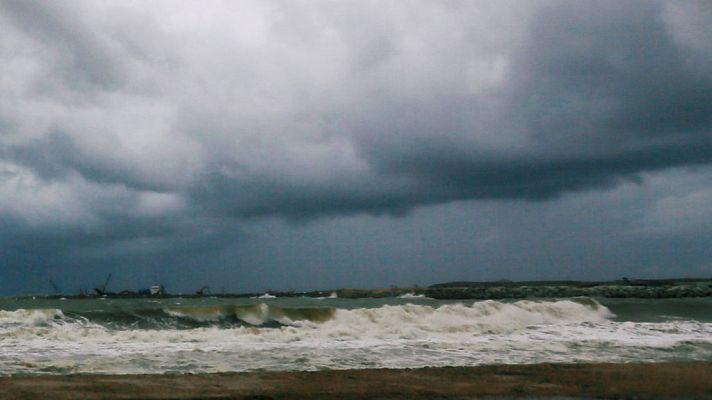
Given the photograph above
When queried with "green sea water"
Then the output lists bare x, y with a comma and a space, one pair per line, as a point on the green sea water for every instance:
211, 334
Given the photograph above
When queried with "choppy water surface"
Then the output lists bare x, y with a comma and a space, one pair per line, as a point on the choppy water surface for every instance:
217, 335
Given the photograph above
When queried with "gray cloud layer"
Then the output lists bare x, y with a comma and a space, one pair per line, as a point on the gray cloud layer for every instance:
147, 128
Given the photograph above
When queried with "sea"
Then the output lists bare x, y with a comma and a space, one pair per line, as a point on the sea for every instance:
202, 335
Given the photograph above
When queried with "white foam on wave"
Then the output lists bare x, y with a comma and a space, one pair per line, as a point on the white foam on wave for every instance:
34, 317
395, 336
411, 296
406, 321
256, 316
358, 328
333, 295
201, 314
411, 321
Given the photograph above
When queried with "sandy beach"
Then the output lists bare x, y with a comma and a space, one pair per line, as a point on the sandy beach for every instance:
659, 380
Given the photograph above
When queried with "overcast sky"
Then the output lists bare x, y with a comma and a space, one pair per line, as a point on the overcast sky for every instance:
324, 144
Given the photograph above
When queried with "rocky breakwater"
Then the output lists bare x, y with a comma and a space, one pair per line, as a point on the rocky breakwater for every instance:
616, 289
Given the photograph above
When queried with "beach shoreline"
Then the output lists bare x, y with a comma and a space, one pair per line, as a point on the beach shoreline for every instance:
635, 380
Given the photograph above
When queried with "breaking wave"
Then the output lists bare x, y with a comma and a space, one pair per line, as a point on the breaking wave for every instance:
24, 318
220, 338
256, 315
405, 321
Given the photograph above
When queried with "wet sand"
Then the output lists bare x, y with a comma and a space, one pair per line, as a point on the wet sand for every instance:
661, 380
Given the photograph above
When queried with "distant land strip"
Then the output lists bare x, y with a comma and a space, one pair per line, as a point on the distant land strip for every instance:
503, 289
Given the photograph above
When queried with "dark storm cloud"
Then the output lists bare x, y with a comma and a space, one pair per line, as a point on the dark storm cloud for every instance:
611, 73
79, 56
138, 127
594, 93
57, 154
598, 92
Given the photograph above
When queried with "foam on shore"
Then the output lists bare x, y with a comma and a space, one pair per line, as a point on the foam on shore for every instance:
224, 338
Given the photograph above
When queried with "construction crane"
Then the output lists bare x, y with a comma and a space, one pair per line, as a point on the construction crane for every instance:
102, 291
55, 287
202, 290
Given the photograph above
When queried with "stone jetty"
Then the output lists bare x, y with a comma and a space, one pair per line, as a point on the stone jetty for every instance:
626, 288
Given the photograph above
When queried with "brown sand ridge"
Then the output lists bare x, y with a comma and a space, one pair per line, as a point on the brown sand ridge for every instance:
661, 380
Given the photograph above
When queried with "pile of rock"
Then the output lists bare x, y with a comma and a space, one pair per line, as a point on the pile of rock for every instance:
697, 289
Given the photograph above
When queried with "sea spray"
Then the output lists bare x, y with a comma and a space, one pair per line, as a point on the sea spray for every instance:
419, 321
201, 336
411, 296
22, 317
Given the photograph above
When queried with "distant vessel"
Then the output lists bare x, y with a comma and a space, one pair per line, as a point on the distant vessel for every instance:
157, 290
